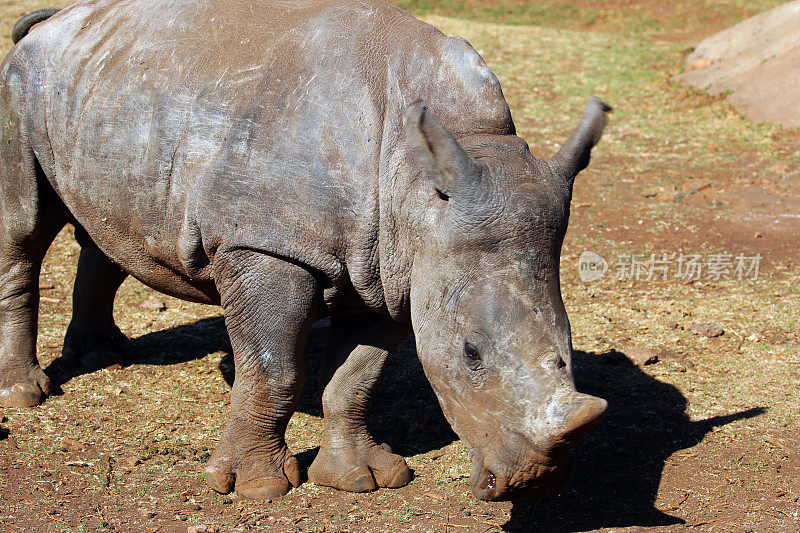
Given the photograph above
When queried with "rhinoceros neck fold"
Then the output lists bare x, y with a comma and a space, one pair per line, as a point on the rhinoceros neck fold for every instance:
459, 89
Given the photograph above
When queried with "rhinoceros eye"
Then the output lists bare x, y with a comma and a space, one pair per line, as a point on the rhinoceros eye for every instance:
471, 352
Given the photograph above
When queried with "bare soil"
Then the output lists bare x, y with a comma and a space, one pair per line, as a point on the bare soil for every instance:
705, 439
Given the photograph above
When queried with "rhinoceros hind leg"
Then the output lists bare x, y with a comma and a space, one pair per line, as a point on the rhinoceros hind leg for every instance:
31, 215
93, 339
269, 306
349, 458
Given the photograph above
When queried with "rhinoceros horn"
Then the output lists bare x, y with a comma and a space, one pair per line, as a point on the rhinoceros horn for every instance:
574, 154
443, 161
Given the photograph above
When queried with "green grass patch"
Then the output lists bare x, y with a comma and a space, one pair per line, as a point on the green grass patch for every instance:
682, 17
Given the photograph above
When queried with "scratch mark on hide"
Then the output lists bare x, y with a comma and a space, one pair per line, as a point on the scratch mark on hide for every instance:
219, 81
169, 184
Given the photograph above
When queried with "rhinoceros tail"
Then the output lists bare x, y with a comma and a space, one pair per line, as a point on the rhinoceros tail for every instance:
24, 25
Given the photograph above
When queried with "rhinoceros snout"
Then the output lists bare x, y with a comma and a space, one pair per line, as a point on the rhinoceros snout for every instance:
520, 469
492, 481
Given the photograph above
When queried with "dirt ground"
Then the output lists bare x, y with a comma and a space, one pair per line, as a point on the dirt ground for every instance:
705, 439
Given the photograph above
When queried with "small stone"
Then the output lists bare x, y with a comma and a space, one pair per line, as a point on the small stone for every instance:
199, 528
153, 304
754, 338
699, 64
696, 185
227, 501
672, 324
70, 445
641, 356
133, 461
147, 513
708, 329
436, 454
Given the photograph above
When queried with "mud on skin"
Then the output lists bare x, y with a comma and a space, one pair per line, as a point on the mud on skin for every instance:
309, 168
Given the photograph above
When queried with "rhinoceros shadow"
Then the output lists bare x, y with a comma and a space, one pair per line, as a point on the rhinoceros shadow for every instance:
619, 464
166, 347
422, 426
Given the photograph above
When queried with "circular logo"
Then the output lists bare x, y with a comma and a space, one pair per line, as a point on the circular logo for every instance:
591, 267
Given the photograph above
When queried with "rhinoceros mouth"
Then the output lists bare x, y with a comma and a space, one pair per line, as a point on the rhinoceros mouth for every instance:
492, 484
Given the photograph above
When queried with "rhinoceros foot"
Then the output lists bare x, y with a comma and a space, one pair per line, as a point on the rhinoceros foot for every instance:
24, 389
359, 468
95, 350
259, 475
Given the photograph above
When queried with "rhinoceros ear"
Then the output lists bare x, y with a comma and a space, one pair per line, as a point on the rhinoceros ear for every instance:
443, 161
574, 154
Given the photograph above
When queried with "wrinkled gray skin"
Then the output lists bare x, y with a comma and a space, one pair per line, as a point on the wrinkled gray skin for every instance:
275, 158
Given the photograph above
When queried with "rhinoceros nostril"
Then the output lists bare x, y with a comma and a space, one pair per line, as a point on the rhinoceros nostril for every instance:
553, 361
491, 482
488, 484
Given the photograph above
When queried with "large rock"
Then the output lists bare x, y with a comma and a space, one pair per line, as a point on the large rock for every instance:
758, 61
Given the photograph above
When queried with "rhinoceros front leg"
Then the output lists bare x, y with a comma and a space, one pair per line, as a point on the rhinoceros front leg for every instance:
93, 339
269, 306
349, 458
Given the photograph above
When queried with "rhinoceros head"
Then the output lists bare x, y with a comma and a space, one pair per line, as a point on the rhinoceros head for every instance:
491, 329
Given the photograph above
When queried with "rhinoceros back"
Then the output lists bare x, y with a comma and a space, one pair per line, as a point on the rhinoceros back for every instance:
170, 129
